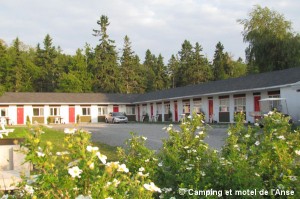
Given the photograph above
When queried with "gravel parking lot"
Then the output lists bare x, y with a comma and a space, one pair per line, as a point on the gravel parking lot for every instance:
117, 134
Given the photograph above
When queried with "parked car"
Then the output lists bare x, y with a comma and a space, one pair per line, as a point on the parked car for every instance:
116, 117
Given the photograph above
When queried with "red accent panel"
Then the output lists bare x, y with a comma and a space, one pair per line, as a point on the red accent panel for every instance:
176, 111
116, 109
71, 114
20, 115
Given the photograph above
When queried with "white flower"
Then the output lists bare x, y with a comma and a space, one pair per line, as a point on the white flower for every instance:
270, 113
247, 135
143, 175
203, 173
123, 168
229, 133
116, 182
170, 125
29, 189
173, 197
91, 149
186, 147
169, 128
257, 174
5, 196
201, 133
69, 130
144, 138
256, 124
92, 166
152, 187
101, 157
147, 160
257, 143
297, 152
189, 117
109, 198
40, 154
142, 169
293, 178
281, 137
197, 136
62, 153
75, 172
160, 164
83, 197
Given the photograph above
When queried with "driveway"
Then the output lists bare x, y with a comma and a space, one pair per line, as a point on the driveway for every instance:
117, 134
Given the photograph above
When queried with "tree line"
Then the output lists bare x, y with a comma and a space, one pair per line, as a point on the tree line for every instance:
45, 68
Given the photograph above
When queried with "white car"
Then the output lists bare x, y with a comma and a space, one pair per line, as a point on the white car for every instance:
116, 117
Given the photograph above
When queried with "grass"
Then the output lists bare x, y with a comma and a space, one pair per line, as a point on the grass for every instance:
57, 137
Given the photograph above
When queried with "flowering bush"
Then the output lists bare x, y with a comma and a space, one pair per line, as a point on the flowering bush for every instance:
80, 171
252, 158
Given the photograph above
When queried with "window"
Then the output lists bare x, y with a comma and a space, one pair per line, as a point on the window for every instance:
86, 111
38, 111
144, 110
130, 110
224, 105
197, 106
276, 104
54, 111
186, 107
3, 112
159, 107
102, 110
240, 104
167, 108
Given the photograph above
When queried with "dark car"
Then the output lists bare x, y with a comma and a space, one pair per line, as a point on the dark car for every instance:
116, 117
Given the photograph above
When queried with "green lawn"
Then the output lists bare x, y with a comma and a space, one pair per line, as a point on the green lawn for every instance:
57, 136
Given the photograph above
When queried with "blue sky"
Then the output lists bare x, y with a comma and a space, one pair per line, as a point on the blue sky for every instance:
158, 25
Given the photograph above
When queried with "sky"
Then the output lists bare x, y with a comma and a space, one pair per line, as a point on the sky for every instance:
158, 25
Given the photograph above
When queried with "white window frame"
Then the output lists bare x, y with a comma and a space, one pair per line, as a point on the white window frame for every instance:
197, 106
224, 105
158, 109
275, 104
240, 104
52, 111
167, 108
3, 110
86, 111
40, 111
186, 107
130, 110
102, 110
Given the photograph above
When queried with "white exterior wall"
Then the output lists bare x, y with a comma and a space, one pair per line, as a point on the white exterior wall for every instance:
172, 110
249, 106
46, 113
12, 114
94, 113
122, 108
231, 108
292, 96
204, 107
180, 109
216, 104
78, 111
64, 113
28, 111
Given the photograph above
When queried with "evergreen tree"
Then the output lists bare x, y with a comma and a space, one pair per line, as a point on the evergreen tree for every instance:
149, 65
172, 68
130, 80
219, 62
105, 70
185, 61
160, 71
3, 66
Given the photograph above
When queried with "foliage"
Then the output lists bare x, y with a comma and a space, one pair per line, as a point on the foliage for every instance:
80, 170
252, 159
272, 43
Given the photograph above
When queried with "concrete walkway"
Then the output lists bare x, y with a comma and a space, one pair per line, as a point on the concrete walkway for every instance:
117, 134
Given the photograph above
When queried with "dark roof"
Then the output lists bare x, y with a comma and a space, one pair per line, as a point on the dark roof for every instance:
249, 82
69, 98
260, 81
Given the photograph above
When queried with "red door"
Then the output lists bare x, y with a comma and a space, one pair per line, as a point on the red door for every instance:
256, 106
176, 111
116, 109
20, 115
71, 114
210, 109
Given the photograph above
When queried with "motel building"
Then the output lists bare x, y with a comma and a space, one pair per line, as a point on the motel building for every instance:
217, 100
